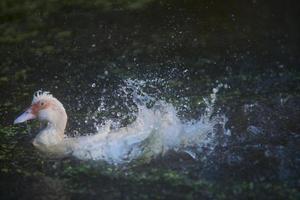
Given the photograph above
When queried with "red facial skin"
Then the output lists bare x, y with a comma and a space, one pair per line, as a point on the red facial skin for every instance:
40, 105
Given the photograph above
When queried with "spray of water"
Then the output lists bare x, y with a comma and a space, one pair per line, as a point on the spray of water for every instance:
156, 128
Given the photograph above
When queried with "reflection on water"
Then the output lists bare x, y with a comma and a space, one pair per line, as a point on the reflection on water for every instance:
181, 50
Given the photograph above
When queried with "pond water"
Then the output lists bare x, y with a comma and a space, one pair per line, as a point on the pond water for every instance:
231, 69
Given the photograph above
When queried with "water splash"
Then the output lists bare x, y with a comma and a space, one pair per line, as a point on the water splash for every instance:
156, 128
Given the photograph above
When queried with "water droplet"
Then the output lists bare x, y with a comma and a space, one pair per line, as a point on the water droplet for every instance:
254, 130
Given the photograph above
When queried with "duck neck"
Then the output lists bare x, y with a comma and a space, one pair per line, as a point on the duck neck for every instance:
52, 134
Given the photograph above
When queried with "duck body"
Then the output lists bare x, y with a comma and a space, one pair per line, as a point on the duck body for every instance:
154, 132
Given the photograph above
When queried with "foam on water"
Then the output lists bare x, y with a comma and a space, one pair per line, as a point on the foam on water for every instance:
155, 130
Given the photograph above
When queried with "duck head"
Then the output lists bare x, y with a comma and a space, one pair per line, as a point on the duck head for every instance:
45, 107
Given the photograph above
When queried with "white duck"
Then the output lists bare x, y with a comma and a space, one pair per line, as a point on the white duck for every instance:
114, 146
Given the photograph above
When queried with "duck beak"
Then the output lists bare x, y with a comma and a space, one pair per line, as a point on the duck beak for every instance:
27, 115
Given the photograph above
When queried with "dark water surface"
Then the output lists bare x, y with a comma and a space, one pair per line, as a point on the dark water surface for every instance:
82, 52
